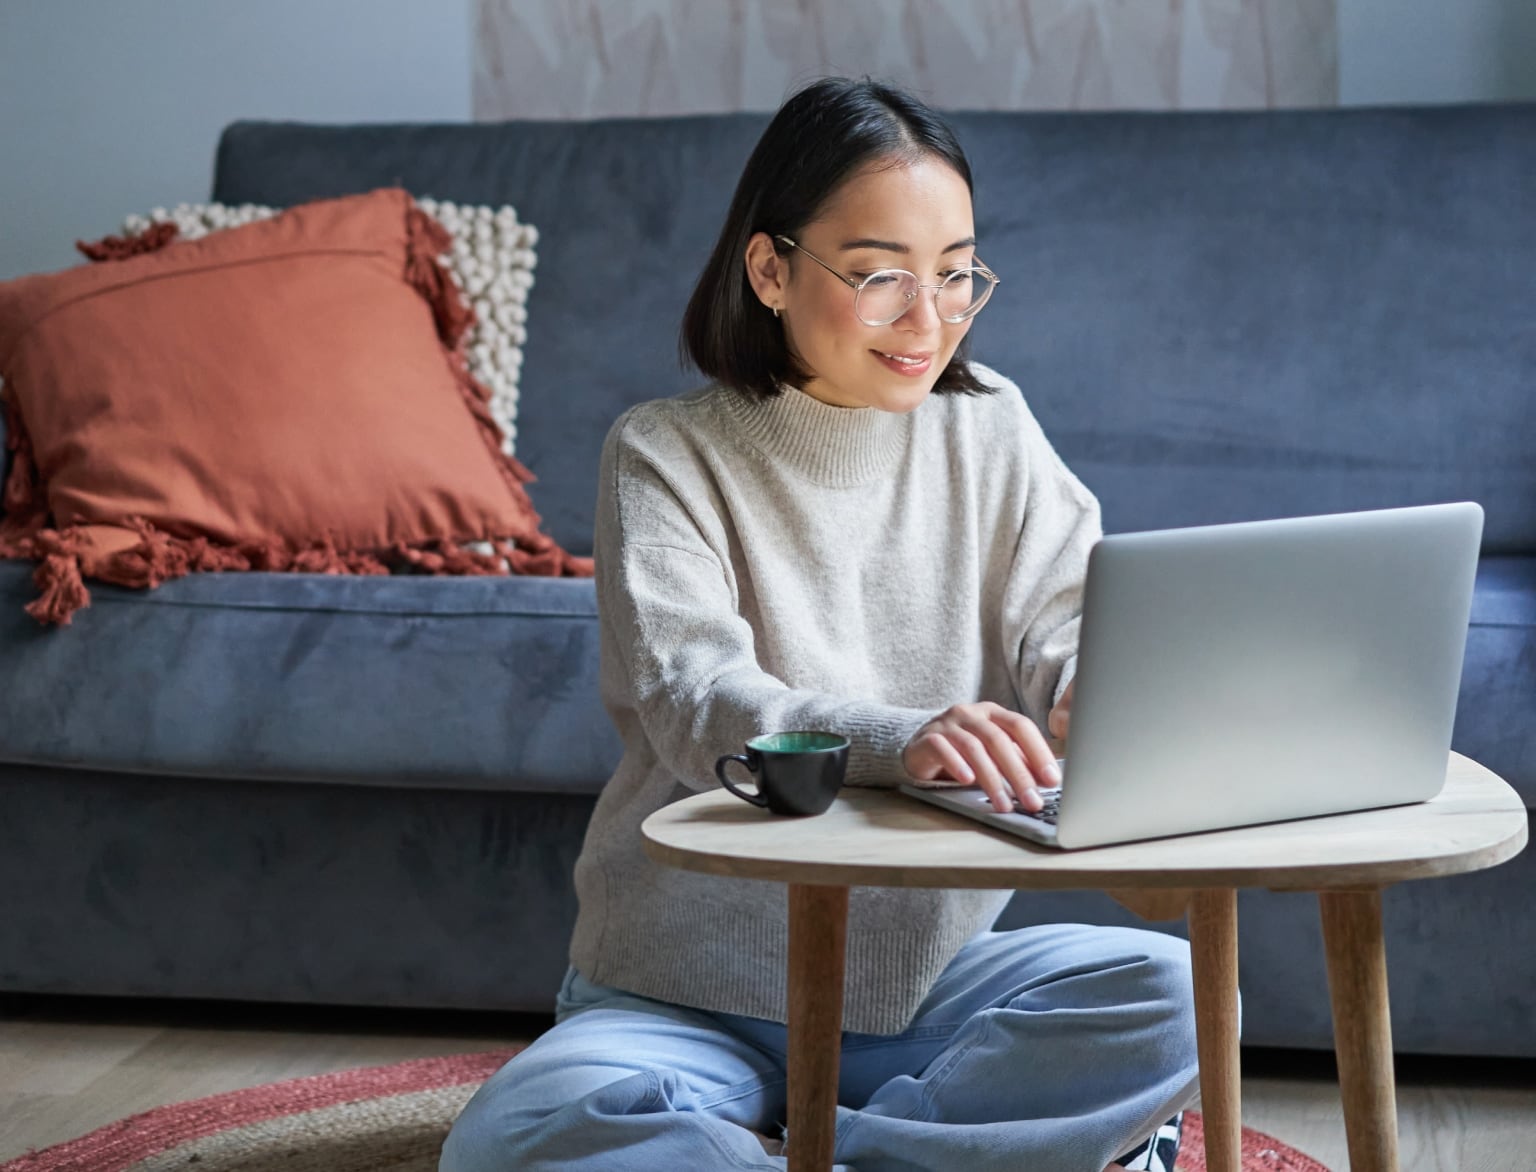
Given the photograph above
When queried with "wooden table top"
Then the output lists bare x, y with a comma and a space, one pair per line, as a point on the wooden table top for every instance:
881, 838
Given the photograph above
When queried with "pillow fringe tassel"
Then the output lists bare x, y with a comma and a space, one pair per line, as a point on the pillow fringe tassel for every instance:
426, 240
159, 557
61, 588
152, 239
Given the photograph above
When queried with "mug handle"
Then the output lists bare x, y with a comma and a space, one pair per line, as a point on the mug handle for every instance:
756, 799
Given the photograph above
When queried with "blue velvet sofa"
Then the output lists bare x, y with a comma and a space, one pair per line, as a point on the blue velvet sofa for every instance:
372, 791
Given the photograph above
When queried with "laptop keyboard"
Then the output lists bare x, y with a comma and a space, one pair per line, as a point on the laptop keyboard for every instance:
1049, 812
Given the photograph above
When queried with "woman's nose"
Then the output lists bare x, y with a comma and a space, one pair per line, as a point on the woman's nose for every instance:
922, 316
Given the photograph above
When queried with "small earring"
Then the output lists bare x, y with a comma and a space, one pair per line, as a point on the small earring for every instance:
775, 311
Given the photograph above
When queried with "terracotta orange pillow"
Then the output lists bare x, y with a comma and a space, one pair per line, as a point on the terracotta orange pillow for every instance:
491, 258
288, 395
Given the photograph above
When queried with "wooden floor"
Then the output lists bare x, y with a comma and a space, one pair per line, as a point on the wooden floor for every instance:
70, 1065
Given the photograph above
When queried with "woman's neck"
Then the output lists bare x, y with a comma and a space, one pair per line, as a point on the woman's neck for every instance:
824, 442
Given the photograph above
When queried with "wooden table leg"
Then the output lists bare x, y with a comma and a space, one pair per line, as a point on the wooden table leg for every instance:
1362, 1026
1213, 954
818, 923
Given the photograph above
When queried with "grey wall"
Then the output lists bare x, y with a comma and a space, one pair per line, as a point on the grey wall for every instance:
114, 106
1393, 51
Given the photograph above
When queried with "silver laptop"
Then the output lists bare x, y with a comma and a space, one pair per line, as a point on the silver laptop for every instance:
1235, 674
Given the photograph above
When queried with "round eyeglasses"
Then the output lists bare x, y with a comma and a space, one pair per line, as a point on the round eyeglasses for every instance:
883, 296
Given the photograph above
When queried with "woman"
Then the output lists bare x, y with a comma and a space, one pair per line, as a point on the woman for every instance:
857, 530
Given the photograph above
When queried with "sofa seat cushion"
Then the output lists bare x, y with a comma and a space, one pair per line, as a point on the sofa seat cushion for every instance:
1496, 714
471, 683
478, 683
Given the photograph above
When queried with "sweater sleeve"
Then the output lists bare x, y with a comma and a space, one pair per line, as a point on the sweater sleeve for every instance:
685, 657
1044, 599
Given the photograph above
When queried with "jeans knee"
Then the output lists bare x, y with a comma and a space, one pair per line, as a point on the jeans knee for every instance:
1169, 972
1148, 973
1162, 967
509, 1123
486, 1136
1166, 986
472, 1145
1172, 975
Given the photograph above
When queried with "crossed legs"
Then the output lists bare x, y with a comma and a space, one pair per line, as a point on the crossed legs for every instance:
1053, 1048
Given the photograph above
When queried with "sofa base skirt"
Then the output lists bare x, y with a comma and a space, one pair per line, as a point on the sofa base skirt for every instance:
131, 885
135, 885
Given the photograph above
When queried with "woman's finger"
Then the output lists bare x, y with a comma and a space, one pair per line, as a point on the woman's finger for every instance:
988, 777
1036, 751
1008, 755
1059, 719
950, 759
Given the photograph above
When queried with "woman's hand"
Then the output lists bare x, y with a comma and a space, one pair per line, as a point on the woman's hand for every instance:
985, 744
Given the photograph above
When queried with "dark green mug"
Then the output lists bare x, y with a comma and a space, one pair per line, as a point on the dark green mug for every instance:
797, 773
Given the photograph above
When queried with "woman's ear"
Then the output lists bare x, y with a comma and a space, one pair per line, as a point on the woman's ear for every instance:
767, 270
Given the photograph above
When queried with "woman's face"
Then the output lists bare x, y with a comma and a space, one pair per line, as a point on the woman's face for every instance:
915, 216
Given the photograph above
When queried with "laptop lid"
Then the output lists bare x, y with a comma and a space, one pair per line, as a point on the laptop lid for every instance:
1267, 670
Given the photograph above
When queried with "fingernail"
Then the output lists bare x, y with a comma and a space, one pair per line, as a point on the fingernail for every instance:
1054, 772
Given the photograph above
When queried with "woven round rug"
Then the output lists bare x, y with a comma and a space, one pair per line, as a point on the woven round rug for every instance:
379, 1119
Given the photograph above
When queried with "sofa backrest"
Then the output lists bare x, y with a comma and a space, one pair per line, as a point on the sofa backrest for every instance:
1216, 316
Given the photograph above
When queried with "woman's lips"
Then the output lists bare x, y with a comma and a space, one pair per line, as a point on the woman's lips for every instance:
909, 368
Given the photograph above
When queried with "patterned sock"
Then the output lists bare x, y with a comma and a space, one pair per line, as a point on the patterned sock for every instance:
1158, 1153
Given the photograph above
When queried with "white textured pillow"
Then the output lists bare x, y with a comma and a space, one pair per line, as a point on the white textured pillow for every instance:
491, 261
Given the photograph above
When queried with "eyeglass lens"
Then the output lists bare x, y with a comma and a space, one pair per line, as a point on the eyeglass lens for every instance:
888, 294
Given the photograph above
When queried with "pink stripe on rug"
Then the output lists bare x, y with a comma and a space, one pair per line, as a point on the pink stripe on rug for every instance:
120, 1145
1259, 1151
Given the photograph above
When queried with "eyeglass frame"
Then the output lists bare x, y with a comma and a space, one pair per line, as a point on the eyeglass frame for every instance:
858, 287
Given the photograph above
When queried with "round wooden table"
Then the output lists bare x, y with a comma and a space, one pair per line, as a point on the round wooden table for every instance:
880, 838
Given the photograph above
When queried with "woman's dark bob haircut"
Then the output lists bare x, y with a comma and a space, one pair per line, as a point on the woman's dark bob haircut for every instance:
820, 137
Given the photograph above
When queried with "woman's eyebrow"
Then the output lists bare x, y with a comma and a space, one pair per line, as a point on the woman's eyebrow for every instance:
893, 246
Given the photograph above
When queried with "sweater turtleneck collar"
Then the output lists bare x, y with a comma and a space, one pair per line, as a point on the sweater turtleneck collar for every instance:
825, 444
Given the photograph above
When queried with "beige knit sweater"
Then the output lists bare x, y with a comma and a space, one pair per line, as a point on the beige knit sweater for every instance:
784, 564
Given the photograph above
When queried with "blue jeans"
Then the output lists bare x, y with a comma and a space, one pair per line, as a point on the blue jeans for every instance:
1046, 1049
